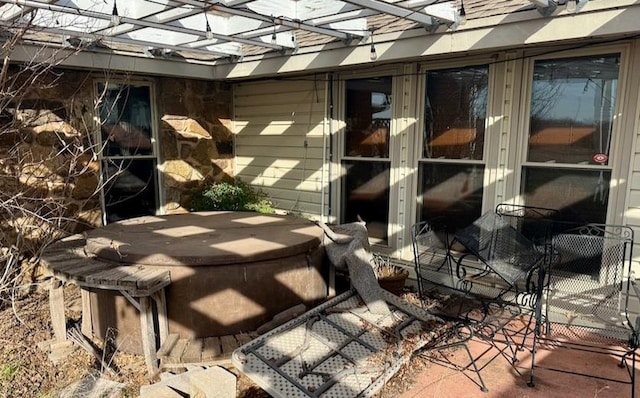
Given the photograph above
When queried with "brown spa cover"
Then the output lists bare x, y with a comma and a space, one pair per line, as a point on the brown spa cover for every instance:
204, 238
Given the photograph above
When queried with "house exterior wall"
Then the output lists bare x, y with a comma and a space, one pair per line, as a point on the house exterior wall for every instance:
195, 148
281, 140
267, 112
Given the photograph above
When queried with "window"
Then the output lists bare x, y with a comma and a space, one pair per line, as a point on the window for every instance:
129, 163
365, 161
451, 166
568, 150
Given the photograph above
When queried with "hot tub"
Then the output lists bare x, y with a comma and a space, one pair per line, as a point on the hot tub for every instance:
230, 271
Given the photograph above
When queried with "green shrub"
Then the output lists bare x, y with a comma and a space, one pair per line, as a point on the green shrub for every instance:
234, 195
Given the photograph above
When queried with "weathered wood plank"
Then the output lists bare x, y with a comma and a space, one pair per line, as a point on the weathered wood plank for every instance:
151, 277
86, 327
69, 261
211, 349
149, 347
136, 269
243, 338
176, 353
71, 267
168, 345
160, 298
56, 306
113, 276
229, 344
193, 352
79, 275
73, 261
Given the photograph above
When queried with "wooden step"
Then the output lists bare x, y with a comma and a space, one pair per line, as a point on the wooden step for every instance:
176, 352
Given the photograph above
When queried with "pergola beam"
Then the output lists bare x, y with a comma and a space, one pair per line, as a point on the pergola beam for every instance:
138, 22
92, 37
278, 21
398, 11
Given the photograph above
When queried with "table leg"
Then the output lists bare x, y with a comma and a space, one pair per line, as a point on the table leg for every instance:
56, 306
161, 306
86, 327
148, 335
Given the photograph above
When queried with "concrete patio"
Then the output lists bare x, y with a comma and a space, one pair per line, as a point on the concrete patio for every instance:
503, 380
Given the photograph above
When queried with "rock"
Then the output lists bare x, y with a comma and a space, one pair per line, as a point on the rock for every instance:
214, 382
92, 386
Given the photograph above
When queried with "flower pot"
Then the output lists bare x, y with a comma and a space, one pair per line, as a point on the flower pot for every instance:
394, 283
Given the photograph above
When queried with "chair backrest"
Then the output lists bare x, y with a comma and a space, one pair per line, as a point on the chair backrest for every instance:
500, 246
589, 276
536, 223
596, 252
429, 243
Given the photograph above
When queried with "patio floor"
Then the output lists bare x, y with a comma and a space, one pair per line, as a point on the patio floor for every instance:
504, 380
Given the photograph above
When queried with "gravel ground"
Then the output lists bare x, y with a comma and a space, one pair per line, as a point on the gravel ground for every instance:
27, 371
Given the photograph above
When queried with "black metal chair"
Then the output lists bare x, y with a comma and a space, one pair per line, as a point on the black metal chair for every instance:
496, 266
589, 294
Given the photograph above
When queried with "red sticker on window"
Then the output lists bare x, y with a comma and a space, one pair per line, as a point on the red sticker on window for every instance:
600, 158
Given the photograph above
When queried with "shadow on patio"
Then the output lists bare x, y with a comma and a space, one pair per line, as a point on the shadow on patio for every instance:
504, 380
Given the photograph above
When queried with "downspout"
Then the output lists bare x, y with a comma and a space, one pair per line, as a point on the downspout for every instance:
328, 157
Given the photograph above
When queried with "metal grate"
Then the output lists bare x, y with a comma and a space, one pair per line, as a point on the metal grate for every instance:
338, 349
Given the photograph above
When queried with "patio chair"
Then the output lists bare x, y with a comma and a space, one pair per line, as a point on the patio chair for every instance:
589, 294
497, 266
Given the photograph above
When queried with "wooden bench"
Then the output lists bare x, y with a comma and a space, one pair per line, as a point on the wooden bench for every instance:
67, 262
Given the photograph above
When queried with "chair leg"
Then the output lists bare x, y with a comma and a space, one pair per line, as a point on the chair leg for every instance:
445, 361
483, 387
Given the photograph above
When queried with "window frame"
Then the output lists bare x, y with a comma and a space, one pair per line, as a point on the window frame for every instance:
491, 135
155, 147
619, 140
339, 146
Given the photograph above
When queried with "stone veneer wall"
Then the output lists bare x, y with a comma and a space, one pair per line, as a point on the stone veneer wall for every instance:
196, 137
195, 140
46, 163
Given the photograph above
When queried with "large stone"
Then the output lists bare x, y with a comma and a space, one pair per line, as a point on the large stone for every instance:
173, 123
87, 219
185, 150
93, 386
53, 133
178, 172
196, 128
33, 186
215, 382
204, 152
169, 145
33, 153
86, 186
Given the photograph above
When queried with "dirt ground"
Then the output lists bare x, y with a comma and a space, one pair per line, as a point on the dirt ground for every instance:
27, 371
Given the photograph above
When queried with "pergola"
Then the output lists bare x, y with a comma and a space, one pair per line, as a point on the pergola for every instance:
235, 36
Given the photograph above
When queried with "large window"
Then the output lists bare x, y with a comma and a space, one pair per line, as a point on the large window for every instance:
129, 164
568, 156
451, 166
365, 161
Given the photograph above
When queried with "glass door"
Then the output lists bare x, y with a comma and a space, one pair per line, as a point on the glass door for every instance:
129, 162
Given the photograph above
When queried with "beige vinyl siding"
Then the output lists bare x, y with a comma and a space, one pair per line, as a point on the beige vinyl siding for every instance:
631, 123
279, 142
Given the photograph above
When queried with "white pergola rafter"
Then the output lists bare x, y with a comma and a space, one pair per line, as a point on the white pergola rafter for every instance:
426, 20
187, 26
280, 20
204, 31
198, 34
66, 34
